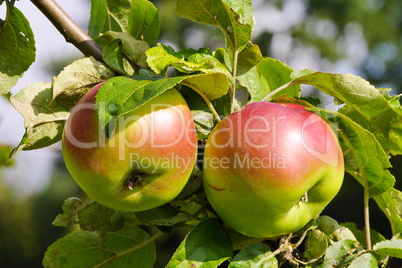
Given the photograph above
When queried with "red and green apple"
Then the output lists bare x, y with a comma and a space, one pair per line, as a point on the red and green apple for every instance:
271, 167
147, 160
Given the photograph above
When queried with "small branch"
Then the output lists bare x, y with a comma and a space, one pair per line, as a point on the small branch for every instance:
68, 28
300, 241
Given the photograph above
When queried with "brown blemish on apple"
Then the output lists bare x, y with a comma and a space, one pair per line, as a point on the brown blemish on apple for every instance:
216, 188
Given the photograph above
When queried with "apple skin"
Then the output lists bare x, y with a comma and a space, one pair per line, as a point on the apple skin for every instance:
270, 168
144, 164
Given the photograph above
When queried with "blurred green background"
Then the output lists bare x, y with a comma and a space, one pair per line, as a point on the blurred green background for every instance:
362, 37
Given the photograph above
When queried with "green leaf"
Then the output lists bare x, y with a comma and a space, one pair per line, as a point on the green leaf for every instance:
163, 212
338, 254
17, 48
316, 244
77, 78
241, 241
369, 157
222, 105
192, 204
303, 72
361, 234
133, 50
180, 218
257, 255
391, 248
109, 15
112, 54
45, 107
213, 85
95, 217
120, 95
249, 57
70, 208
165, 218
186, 60
365, 160
387, 128
207, 245
267, 76
334, 230
327, 224
366, 260
144, 22
128, 247
234, 18
137, 18
194, 100
43, 117
204, 122
390, 202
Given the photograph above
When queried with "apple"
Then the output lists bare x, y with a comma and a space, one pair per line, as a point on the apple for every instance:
144, 164
270, 168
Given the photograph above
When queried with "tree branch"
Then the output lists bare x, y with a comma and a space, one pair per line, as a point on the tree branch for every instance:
68, 28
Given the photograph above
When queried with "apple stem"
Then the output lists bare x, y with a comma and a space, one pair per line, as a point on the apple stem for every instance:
69, 29
205, 98
279, 89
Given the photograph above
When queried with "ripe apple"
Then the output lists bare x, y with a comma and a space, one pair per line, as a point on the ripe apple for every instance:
270, 168
144, 164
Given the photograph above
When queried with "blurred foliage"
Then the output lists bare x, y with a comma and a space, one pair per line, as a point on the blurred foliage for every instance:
378, 21
362, 35
5, 151
26, 228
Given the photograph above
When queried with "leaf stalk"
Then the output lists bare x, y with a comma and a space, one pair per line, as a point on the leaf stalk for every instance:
279, 89
367, 215
233, 87
205, 98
